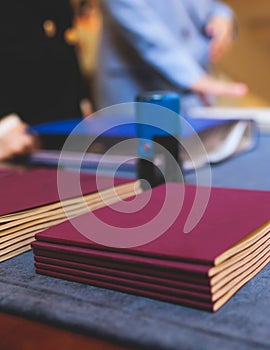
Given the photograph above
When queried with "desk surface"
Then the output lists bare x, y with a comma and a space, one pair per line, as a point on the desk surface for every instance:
243, 323
30, 335
246, 170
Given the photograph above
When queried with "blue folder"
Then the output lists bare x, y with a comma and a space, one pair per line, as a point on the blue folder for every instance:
96, 126
101, 128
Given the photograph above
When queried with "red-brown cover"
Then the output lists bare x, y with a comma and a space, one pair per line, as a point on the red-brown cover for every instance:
230, 215
193, 293
177, 281
37, 187
204, 305
96, 257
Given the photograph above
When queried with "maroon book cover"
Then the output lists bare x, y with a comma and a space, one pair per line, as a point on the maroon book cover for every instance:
139, 268
173, 281
164, 289
230, 216
204, 305
33, 188
96, 256
184, 297
5, 171
157, 275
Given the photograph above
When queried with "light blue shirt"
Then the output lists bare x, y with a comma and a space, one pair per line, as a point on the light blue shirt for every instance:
153, 45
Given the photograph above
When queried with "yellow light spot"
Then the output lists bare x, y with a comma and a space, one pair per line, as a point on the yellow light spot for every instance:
49, 28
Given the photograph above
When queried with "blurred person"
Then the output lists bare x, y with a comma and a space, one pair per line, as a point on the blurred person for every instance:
88, 24
164, 45
40, 77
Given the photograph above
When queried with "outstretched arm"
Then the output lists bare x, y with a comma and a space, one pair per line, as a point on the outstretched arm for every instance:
221, 27
142, 27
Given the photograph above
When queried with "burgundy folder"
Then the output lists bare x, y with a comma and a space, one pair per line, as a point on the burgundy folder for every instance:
231, 215
178, 281
130, 289
226, 248
34, 188
169, 267
166, 292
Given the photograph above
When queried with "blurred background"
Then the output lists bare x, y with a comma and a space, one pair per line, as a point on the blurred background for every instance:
247, 61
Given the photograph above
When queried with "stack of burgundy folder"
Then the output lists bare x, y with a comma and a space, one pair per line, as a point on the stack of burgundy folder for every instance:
30, 202
202, 268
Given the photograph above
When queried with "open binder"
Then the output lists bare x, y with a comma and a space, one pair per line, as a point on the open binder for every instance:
220, 139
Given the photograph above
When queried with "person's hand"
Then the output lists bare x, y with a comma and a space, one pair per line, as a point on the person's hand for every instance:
212, 86
86, 107
221, 30
14, 140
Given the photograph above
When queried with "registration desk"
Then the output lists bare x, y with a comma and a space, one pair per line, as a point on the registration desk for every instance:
114, 317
